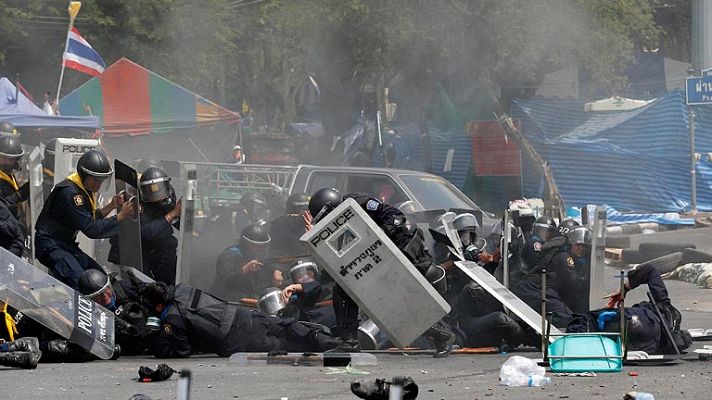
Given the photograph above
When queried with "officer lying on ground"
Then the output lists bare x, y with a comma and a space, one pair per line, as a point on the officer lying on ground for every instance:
305, 291
645, 330
71, 208
407, 237
193, 321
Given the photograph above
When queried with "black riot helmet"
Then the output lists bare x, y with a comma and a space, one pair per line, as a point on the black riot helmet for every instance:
10, 147
545, 228
255, 241
254, 205
49, 152
94, 163
466, 226
7, 128
567, 225
96, 286
323, 202
155, 185
580, 235
297, 203
303, 270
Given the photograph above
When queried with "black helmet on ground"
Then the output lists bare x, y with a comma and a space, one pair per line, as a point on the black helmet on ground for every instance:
544, 228
49, 152
323, 202
94, 163
255, 241
96, 286
155, 185
7, 128
567, 225
297, 203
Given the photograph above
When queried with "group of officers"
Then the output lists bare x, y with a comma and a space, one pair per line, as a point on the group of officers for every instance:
169, 320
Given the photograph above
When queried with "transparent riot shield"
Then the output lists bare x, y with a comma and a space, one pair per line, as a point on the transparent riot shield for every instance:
126, 181
598, 253
211, 220
56, 306
36, 200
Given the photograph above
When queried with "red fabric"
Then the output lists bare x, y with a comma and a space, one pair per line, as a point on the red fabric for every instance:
81, 68
125, 94
494, 154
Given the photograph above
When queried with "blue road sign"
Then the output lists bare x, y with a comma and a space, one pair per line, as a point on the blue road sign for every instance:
698, 89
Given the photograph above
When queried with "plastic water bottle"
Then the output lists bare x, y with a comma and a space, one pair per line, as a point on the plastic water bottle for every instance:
639, 396
538, 380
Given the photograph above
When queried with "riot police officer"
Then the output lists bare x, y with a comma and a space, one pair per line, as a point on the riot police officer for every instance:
241, 270
544, 229
566, 280
71, 208
305, 290
193, 321
123, 299
10, 155
160, 212
251, 209
288, 228
407, 237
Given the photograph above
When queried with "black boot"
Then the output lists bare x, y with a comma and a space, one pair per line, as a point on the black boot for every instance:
26, 344
19, 359
442, 337
380, 389
348, 343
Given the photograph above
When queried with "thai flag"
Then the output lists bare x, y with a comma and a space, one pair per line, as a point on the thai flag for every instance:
81, 56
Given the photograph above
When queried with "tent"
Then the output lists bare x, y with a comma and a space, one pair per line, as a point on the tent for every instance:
15, 107
636, 160
131, 100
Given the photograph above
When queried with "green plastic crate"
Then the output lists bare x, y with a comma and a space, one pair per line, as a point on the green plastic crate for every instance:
586, 352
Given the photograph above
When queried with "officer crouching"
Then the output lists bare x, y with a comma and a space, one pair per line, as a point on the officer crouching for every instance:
71, 208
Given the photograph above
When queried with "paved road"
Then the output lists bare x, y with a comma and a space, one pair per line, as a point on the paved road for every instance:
457, 377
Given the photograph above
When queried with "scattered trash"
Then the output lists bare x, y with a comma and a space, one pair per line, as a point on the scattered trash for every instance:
632, 373
400, 387
522, 371
638, 396
576, 374
161, 372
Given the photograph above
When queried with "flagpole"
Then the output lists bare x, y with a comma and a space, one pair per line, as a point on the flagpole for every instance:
73, 10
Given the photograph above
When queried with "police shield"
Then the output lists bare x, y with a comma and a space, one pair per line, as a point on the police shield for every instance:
36, 200
56, 306
598, 252
375, 273
126, 181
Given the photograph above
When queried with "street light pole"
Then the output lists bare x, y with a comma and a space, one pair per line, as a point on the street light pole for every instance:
693, 160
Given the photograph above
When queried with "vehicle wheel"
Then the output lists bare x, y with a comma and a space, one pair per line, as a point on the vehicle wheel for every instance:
666, 263
618, 242
650, 251
695, 256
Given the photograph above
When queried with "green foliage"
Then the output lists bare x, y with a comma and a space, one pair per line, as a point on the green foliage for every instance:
263, 50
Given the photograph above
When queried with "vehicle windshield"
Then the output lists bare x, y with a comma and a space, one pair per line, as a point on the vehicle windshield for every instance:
436, 193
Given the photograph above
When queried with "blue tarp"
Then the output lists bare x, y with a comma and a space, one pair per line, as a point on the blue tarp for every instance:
631, 160
23, 113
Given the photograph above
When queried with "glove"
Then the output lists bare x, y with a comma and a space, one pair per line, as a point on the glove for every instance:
24, 190
605, 317
161, 373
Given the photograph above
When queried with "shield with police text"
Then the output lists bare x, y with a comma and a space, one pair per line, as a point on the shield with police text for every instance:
56, 306
36, 199
360, 257
126, 181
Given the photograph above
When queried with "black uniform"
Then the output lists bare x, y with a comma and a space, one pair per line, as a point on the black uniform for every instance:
285, 232
158, 245
14, 196
531, 253
11, 233
197, 322
484, 321
67, 211
645, 330
231, 283
566, 281
303, 305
